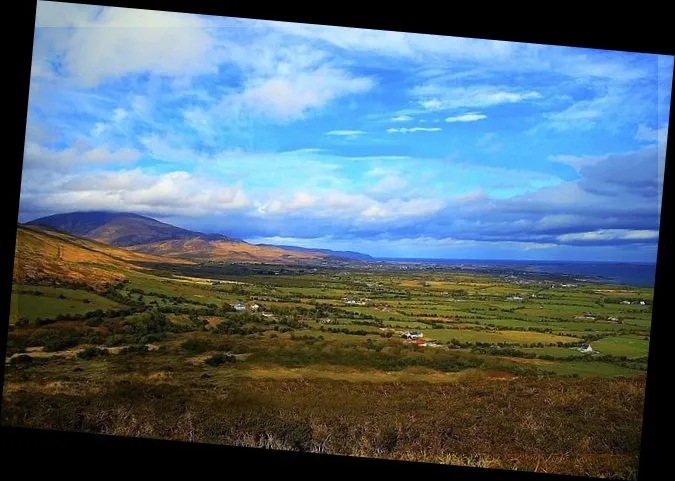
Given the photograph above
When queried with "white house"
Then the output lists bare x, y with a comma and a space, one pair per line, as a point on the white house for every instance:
239, 306
413, 334
585, 348
625, 302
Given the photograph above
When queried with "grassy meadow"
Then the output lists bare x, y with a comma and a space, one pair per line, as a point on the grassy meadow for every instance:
164, 354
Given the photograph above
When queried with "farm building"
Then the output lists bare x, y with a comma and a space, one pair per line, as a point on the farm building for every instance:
239, 306
585, 348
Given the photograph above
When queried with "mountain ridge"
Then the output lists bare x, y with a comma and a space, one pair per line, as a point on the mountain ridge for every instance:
146, 235
344, 254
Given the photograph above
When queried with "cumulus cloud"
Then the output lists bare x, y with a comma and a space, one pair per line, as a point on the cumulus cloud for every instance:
344, 208
96, 43
636, 172
402, 118
173, 193
37, 156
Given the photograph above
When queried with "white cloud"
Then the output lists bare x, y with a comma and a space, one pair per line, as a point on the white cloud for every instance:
469, 117
116, 120
80, 153
111, 42
178, 192
404, 130
347, 208
402, 118
290, 98
610, 235
345, 133
389, 183
433, 96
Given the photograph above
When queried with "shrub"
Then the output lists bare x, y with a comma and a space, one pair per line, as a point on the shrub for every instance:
22, 322
218, 359
115, 340
21, 359
93, 322
150, 338
195, 346
62, 343
134, 349
92, 352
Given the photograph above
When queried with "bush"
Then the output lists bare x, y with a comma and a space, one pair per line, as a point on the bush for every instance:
61, 344
218, 359
115, 340
92, 352
22, 322
21, 359
93, 322
134, 349
195, 346
150, 338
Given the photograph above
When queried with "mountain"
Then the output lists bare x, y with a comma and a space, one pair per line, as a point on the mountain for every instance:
120, 229
149, 236
45, 255
343, 254
199, 248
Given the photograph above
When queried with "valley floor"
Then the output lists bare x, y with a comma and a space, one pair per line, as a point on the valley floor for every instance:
315, 361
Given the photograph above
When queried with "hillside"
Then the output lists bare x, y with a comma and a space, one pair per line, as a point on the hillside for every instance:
343, 254
43, 255
120, 229
149, 236
199, 248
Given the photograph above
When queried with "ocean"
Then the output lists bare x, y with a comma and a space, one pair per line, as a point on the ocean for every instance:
627, 273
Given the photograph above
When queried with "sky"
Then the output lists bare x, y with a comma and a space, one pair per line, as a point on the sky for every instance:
388, 143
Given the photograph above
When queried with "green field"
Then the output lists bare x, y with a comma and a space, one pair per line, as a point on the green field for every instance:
492, 357
629, 346
52, 301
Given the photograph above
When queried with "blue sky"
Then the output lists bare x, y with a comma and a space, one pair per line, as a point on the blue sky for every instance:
389, 143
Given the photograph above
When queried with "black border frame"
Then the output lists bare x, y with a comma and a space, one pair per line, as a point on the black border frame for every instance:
128, 454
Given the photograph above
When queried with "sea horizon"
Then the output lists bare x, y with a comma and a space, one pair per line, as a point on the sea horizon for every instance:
640, 274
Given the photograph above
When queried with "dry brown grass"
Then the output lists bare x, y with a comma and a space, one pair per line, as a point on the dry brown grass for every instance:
197, 248
45, 255
583, 427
